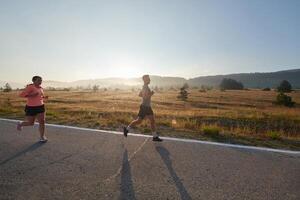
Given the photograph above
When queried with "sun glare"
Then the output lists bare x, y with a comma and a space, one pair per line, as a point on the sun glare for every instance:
126, 67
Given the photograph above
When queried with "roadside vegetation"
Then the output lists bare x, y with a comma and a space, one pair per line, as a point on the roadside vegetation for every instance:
247, 117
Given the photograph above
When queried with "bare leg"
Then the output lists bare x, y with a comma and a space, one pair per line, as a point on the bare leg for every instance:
135, 122
41, 120
152, 122
153, 127
29, 121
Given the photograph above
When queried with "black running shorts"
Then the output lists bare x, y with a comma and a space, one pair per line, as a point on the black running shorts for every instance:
34, 110
144, 111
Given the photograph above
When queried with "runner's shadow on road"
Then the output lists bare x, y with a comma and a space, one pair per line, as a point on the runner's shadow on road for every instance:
28, 149
165, 155
126, 187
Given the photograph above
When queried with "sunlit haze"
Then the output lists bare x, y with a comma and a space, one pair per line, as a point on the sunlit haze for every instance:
67, 40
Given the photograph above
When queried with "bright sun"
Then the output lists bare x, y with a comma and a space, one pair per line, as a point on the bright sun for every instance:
126, 67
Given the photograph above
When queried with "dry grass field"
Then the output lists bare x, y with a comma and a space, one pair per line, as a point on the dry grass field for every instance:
245, 117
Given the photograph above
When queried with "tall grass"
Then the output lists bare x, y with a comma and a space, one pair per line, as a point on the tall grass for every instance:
246, 113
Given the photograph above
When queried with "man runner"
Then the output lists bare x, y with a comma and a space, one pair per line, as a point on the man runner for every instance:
145, 110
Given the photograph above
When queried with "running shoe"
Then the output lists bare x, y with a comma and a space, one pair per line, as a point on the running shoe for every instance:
43, 140
157, 139
125, 131
19, 126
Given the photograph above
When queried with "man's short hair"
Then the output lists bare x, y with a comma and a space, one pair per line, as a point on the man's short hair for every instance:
36, 78
145, 76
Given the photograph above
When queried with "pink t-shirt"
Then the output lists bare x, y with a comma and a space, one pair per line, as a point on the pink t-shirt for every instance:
36, 100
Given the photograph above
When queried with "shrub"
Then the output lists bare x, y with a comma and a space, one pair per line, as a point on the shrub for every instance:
231, 84
50, 88
211, 131
283, 99
95, 88
266, 89
186, 86
284, 86
206, 87
66, 89
183, 94
273, 135
7, 88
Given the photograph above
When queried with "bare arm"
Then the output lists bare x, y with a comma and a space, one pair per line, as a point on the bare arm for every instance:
32, 94
43, 95
145, 94
27, 92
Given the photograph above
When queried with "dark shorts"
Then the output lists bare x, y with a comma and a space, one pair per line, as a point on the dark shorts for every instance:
34, 110
144, 111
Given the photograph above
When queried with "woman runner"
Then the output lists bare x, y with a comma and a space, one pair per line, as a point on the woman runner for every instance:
35, 108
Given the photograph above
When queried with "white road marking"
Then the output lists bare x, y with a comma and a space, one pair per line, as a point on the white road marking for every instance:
170, 138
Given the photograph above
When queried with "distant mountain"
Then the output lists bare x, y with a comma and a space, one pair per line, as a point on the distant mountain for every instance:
250, 80
162, 81
106, 82
158, 81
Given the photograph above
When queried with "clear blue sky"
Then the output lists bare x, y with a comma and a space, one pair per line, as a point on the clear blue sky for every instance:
71, 39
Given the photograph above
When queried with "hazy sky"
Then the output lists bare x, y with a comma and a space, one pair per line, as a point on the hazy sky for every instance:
70, 39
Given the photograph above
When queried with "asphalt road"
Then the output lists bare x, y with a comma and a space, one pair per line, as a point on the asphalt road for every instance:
83, 164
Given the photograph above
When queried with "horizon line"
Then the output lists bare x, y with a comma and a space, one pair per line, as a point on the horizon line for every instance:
164, 76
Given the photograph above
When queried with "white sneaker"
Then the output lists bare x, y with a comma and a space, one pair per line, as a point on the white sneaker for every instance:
43, 139
19, 126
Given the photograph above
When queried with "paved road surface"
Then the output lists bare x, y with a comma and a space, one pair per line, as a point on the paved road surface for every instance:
82, 164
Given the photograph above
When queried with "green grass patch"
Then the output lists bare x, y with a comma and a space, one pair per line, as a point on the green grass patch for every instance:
274, 135
212, 131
